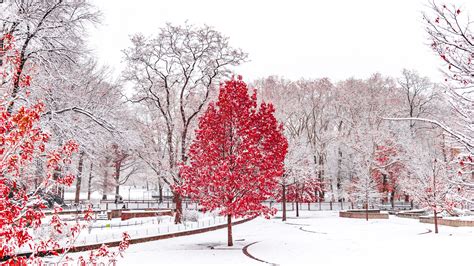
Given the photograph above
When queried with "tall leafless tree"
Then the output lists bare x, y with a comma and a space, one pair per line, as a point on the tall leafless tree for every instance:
176, 72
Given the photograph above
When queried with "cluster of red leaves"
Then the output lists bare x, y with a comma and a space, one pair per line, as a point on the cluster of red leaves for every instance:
22, 140
303, 191
96, 257
237, 155
21, 206
388, 169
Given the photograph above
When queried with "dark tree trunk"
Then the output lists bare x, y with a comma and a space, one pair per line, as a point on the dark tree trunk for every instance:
321, 174
106, 177
79, 178
18, 74
339, 165
435, 221
392, 199
230, 243
179, 207
367, 211
118, 166
160, 192
283, 200
297, 210
89, 183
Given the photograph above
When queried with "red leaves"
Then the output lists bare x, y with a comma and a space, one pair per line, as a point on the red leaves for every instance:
237, 155
125, 243
388, 169
22, 143
105, 252
304, 191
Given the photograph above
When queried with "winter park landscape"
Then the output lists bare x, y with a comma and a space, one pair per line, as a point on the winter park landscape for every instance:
252, 133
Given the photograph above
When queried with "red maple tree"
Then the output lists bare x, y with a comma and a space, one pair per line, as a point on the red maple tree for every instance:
236, 157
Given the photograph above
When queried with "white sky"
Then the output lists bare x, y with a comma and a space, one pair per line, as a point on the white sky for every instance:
312, 39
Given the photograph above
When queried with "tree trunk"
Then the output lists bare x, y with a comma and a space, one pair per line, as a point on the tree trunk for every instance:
18, 74
392, 199
339, 165
367, 211
179, 207
436, 221
106, 178
321, 173
230, 243
297, 210
89, 183
79, 178
160, 192
283, 200
104, 184
118, 166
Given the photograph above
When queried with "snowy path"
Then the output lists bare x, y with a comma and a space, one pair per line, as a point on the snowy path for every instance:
317, 238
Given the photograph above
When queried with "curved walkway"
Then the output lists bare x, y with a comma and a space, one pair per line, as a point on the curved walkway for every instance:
246, 252
427, 232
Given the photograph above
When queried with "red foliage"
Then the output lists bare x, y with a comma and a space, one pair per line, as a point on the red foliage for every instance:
304, 191
388, 169
21, 207
237, 155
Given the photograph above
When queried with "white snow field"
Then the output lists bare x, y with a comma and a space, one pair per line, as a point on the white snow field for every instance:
316, 238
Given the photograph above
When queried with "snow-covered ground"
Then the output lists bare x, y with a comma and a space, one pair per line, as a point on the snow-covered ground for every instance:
316, 238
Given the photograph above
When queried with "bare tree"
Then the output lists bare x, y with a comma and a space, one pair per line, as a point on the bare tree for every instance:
176, 72
47, 33
419, 94
451, 37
